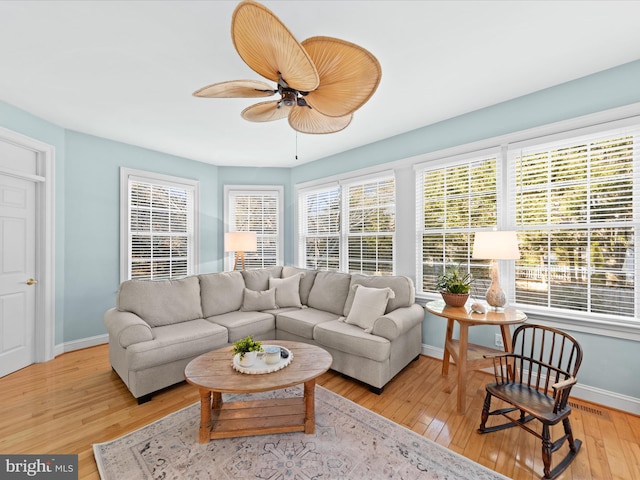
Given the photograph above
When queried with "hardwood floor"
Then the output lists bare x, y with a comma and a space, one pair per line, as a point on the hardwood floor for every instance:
67, 404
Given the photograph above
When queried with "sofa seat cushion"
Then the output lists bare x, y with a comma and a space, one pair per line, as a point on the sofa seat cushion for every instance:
241, 324
351, 339
302, 322
176, 342
161, 302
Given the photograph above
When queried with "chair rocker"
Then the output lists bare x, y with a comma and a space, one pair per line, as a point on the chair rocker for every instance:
536, 380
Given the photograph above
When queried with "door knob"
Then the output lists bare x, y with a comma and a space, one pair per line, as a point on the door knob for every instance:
32, 281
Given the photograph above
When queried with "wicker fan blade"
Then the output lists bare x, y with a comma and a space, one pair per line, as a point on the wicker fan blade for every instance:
349, 75
265, 112
308, 120
236, 89
268, 47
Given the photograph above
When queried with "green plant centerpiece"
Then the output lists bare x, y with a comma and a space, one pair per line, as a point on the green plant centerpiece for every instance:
454, 286
246, 345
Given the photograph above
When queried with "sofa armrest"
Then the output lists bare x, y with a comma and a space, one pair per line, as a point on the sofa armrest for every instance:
395, 323
127, 328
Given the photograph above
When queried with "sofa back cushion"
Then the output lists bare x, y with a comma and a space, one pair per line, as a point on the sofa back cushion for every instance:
258, 278
221, 292
306, 282
403, 288
161, 302
329, 291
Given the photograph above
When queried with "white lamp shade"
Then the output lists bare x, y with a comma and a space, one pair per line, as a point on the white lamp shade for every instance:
240, 242
496, 246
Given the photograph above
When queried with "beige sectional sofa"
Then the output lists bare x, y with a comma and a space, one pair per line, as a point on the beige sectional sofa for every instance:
371, 325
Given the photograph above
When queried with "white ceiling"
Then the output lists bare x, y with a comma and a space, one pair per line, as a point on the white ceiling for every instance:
126, 70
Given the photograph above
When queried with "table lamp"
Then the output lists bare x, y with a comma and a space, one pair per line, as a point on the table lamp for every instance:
496, 246
240, 242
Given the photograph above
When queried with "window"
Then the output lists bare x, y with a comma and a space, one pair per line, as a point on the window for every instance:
572, 200
158, 226
320, 221
349, 225
454, 201
573, 203
256, 209
370, 212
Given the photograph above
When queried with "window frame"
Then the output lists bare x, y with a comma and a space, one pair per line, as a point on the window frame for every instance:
591, 124
127, 174
275, 190
342, 183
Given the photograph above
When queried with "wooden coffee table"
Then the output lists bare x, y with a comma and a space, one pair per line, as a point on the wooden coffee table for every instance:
214, 375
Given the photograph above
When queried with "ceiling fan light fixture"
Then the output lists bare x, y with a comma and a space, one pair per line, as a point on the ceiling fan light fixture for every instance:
289, 98
321, 81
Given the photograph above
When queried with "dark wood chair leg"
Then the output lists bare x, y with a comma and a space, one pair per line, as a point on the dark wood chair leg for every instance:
485, 412
546, 450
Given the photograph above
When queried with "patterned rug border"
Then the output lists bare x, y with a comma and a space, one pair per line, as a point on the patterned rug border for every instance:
319, 390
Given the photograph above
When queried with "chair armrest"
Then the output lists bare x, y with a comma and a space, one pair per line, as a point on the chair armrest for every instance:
563, 385
395, 323
126, 328
561, 393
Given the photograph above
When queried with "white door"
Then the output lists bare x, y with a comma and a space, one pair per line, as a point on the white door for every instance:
17, 273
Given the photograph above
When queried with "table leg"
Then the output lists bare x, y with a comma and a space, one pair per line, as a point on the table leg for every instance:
506, 338
310, 406
448, 337
462, 366
205, 416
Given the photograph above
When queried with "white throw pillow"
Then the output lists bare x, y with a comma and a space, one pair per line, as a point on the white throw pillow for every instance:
254, 301
287, 290
368, 305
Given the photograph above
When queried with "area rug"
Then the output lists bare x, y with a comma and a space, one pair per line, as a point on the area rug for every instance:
350, 443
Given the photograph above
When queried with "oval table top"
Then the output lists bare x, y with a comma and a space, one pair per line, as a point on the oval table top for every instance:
504, 316
214, 370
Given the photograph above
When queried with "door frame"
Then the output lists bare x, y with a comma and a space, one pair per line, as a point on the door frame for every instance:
44, 341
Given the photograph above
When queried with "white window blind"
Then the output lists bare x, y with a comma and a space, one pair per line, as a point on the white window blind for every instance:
370, 213
453, 202
160, 226
257, 211
319, 217
349, 226
574, 203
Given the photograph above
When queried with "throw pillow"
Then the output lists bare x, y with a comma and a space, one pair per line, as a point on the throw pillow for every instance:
287, 290
254, 301
368, 305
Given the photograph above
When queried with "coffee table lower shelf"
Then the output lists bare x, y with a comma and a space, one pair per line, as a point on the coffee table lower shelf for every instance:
258, 417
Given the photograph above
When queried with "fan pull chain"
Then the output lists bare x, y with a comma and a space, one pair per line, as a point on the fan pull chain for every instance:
296, 145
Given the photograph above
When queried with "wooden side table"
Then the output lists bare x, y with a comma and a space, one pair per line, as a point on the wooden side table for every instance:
469, 356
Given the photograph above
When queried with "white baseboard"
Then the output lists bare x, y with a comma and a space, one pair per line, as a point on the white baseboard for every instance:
80, 344
583, 392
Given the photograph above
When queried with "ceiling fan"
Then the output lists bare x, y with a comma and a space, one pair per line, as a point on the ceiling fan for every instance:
321, 81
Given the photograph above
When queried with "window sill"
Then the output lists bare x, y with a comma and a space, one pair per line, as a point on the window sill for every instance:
606, 327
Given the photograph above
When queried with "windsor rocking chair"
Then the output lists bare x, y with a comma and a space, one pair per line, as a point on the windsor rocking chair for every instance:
536, 379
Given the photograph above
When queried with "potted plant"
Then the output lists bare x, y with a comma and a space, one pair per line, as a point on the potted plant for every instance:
454, 286
247, 350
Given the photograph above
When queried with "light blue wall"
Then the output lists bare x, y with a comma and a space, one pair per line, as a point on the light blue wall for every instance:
92, 196
87, 202
602, 91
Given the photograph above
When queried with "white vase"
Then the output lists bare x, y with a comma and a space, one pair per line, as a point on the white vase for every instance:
248, 359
